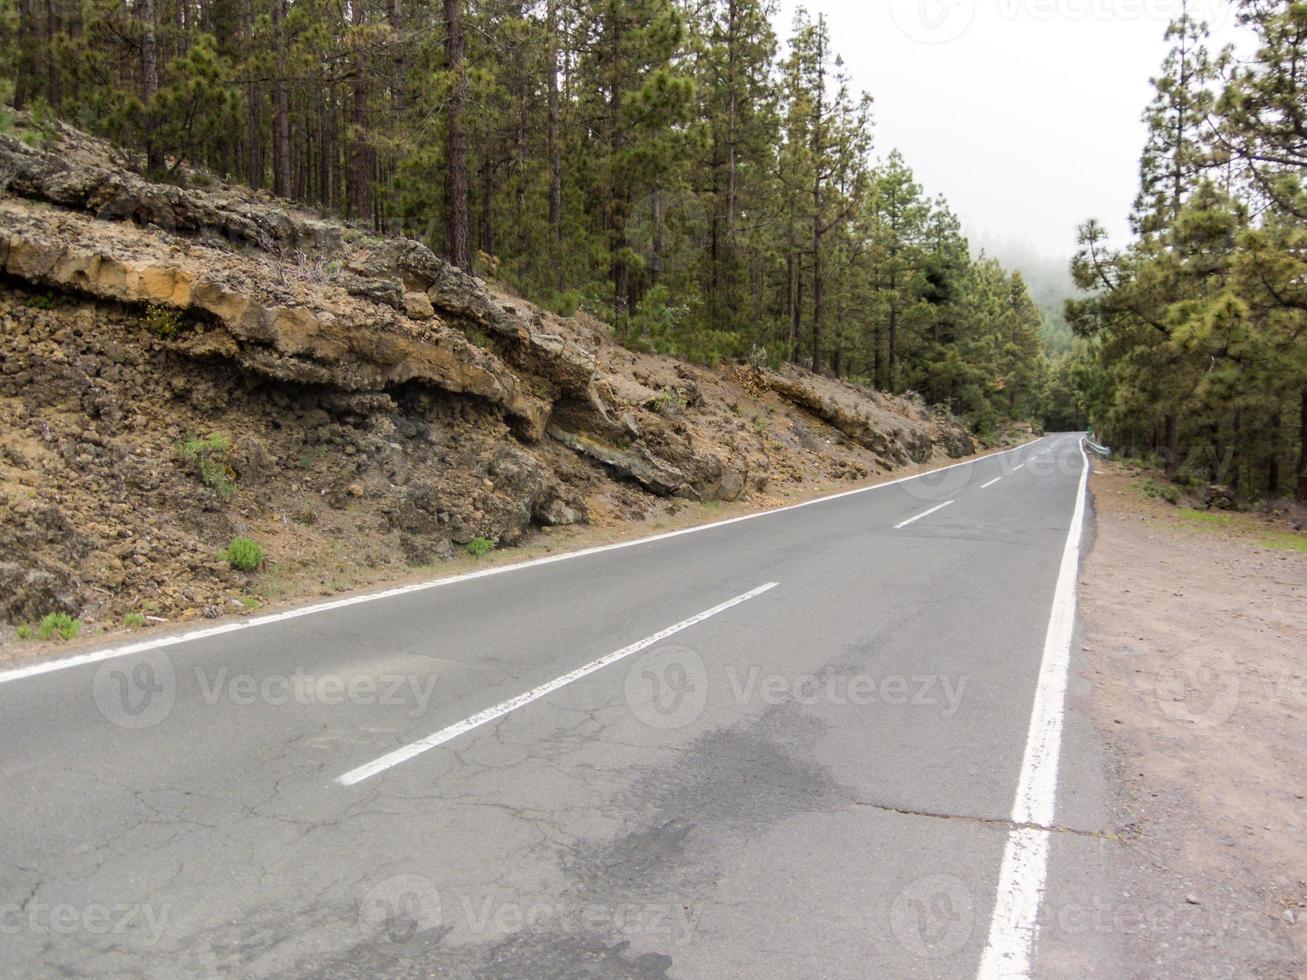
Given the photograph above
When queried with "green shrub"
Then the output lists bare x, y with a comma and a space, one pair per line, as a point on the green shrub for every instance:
479, 547
6, 101
59, 625
209, 457
24, 632
41, 301
1163, 491
134, 621
163, 322
243, 554
669, 401
41, 125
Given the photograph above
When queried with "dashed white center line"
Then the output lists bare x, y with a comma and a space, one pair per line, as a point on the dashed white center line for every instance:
1017, 467
925, 513
512, 704
984, 486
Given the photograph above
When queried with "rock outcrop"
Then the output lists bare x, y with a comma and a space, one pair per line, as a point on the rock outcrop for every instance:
375, 406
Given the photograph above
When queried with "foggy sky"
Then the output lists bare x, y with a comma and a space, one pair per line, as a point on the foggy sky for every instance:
1025, 114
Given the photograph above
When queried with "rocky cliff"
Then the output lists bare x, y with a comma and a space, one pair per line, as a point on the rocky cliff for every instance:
179, 365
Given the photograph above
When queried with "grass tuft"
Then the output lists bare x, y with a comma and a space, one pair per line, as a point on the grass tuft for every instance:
243, 554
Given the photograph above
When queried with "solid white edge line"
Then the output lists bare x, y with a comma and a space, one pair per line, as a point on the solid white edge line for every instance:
986, 486
925, 513
1013, 930
391, 759
109, 653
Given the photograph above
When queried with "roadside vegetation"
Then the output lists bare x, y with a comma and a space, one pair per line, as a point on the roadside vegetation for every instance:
1192, 348
53, 626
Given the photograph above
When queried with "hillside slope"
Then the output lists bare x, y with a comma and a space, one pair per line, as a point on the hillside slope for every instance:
375, 409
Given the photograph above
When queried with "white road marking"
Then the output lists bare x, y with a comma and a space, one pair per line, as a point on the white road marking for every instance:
1017, 467
504, 707
985, 486
924, 513
141, 646
1014, 927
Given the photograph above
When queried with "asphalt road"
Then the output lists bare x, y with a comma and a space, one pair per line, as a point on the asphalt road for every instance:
784, 746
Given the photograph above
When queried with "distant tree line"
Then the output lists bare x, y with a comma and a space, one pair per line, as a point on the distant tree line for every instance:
664, 164
1194, 335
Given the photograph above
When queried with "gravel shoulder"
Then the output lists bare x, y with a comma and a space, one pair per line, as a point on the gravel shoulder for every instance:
1196, 650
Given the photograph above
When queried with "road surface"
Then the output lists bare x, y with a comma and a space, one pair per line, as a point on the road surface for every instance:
823, 741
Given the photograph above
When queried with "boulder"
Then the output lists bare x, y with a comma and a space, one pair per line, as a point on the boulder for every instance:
1218, 496
27, 594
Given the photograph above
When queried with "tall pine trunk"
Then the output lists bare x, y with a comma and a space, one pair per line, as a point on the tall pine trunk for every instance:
360, 172
817, 229
1171, 449
280, 106
150, 79
456, 177
555, 147
1300, 491
1273, 458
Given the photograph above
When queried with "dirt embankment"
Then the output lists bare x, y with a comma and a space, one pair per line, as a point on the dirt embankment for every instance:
1196, 641
179, 367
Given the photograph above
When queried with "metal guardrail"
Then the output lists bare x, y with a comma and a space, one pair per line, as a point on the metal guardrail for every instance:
1099, 450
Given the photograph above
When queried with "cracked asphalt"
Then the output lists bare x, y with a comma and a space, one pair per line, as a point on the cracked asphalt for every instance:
814, 782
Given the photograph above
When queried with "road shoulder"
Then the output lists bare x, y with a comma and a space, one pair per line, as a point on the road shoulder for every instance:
1194, 648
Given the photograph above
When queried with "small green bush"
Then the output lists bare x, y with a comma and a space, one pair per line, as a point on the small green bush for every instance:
41, 301
7, 117
59, 625
134, 620
209, 457
243, 554
669, 401
1163, 491
479, 547
163, 322
24, 632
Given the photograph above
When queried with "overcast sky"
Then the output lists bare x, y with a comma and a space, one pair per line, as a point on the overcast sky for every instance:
1023, 113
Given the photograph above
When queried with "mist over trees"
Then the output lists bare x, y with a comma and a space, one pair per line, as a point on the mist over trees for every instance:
670, 166
1194, 334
